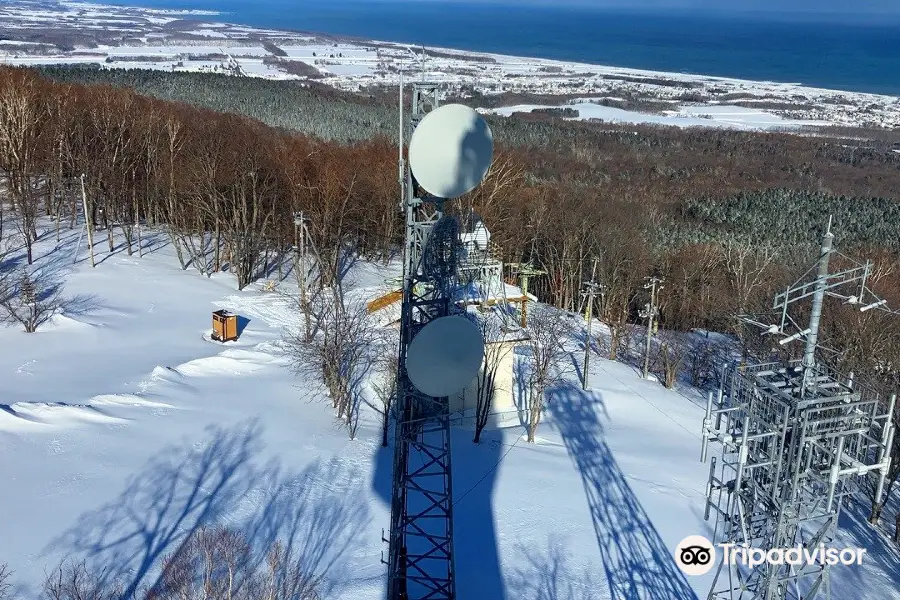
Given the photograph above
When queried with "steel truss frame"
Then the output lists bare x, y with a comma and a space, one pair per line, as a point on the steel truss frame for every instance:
797, 440
786, 464
420, 558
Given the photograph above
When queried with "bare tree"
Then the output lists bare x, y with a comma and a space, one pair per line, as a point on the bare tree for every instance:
671, 352
619, 269
547, 330
22, 124
704, 360
385, 388
215, 562
29, 298
220, 563
746, 267
5, 585
72, 580
288, 577
338, 351
495, 352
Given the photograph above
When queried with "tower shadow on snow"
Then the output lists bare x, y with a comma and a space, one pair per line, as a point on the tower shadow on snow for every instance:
638, 564
474, 471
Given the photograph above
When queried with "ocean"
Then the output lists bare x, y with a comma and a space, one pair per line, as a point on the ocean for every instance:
851, 56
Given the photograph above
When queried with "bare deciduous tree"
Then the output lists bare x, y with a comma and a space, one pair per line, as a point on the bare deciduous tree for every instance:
548, 328
338, 351
72, 580
22, 124
495, 352
29, 298
219, 562
705, 360
5, 585
215, 562
385, 388
671, 352
287, 577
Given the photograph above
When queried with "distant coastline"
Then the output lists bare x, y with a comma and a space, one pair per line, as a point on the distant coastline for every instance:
851, 57
70, 32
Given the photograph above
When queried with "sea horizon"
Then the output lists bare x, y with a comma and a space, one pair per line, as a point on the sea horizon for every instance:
853, 57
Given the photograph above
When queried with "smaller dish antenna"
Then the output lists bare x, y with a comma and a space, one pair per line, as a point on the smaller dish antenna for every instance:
451, 150
445, 356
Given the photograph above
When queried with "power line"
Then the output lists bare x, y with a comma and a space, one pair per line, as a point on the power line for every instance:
651, 310
491, 470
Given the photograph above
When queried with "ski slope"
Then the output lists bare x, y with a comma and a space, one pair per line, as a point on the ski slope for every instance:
122, 429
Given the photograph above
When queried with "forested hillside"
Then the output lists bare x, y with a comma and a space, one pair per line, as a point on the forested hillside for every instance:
727, 217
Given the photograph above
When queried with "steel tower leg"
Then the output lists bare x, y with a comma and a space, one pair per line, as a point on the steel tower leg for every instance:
420, 556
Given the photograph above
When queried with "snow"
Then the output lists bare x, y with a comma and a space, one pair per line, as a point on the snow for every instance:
721, 116
125, 397
210, 33
354, 65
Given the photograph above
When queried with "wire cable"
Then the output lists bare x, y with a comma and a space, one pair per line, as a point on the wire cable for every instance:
491, 470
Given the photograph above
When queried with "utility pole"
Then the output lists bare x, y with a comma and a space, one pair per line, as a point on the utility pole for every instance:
526, 271
137, 219
650, 311
87, 221
591, 287
300, 267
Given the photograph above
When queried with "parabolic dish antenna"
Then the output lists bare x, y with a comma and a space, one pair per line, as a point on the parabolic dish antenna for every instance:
445, 356
451, 151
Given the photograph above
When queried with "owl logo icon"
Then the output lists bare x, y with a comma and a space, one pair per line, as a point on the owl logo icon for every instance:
695, 555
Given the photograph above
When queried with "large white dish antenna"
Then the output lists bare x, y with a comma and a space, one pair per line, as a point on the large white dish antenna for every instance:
451, 151
445, 356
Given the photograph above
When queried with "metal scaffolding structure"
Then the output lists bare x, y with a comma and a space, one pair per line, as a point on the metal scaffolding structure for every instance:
796, 439
420, 559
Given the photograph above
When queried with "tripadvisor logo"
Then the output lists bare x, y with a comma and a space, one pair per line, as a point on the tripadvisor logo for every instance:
696, 555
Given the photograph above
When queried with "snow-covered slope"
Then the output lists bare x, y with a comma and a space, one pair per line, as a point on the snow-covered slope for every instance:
122, 428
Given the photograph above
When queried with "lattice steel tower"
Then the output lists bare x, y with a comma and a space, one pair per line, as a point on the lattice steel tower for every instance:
796, 439
420, 559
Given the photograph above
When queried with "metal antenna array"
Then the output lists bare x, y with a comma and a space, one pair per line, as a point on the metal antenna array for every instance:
796, 439
420, 558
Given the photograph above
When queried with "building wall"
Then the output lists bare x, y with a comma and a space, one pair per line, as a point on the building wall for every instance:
465, 402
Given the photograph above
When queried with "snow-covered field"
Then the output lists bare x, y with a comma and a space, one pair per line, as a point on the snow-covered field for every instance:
34, 32
122, 428
733, 117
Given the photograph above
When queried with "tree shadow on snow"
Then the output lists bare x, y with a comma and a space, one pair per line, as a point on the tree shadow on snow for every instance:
312, 513
547, 575
854, 530
638, 564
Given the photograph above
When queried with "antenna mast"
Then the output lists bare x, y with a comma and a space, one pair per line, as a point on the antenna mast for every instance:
809, 355
420, 560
